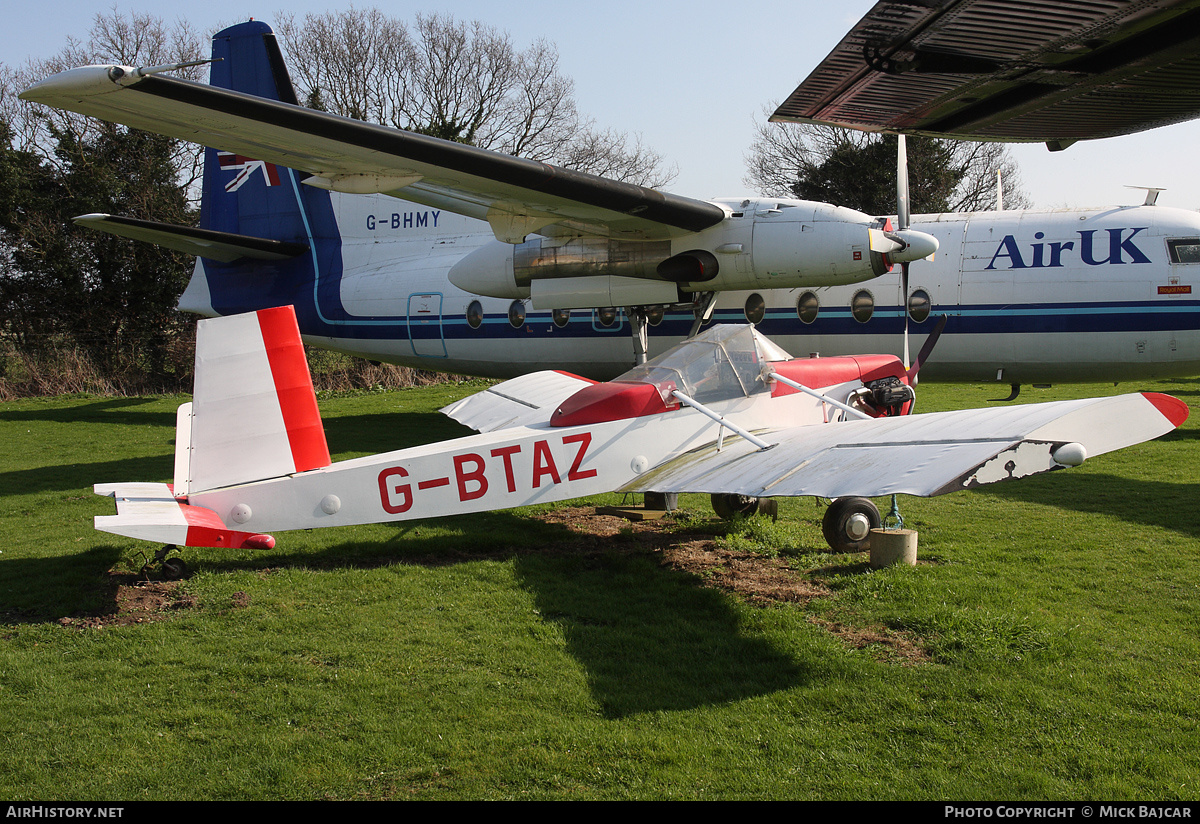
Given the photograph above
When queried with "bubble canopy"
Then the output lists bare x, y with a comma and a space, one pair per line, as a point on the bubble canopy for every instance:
722, 363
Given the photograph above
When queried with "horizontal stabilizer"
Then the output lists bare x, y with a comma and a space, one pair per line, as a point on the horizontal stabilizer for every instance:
222, 246
521, 401
920, 454
150, 512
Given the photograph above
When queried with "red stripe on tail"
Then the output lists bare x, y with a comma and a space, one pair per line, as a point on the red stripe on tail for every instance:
293, 385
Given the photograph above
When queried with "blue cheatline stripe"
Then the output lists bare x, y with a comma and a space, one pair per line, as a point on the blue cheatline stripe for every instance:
1031, 318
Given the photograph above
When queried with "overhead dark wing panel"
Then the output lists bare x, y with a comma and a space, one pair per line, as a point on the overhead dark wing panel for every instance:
1010, 70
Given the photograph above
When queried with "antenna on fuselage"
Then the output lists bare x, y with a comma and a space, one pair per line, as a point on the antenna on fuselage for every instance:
1151, 194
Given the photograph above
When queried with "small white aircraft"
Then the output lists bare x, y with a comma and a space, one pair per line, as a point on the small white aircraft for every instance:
403, 248
727, 412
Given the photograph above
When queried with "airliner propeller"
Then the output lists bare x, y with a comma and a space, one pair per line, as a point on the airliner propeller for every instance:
913, 245
902, 216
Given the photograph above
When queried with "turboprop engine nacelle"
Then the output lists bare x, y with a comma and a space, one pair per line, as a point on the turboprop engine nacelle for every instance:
760, 245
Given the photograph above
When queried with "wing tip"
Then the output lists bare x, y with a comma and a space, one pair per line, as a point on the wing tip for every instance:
1173, 409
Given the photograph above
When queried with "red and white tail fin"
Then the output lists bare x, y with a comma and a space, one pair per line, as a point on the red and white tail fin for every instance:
253, 416
253, 413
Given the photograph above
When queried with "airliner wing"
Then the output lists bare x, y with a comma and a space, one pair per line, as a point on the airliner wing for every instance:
1009, 70
516, 196
919, 454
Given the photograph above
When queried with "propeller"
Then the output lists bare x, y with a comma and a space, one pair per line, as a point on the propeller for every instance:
914, 245
902, 216
926, 349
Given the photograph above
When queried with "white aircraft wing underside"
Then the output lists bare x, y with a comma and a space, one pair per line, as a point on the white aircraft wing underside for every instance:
521, 401
516, 196
915, 455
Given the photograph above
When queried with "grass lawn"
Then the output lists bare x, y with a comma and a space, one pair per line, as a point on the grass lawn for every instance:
1046, 647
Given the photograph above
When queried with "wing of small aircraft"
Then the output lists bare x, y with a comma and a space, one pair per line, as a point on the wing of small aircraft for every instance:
521, 401
515, 195
926, 455
1009, 70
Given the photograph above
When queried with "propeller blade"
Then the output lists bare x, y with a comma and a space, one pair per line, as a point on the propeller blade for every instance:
904, 307
923, 355
901, 183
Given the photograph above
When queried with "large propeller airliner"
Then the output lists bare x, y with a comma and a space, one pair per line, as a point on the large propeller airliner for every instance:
404, 248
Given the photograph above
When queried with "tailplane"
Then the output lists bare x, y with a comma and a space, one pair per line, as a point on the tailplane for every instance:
253, 416
263, 237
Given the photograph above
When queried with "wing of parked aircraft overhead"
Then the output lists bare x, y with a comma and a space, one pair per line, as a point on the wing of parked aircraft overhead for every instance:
1009, 70
929, 454
515, 195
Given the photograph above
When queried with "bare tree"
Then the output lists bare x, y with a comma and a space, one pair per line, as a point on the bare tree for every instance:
459, 81
787, 159
136, 39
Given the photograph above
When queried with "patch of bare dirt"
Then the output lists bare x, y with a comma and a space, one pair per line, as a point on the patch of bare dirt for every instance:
135, 601
757, 578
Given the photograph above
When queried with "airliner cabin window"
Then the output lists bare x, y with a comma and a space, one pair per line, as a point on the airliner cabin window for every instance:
561, 317
516, 314
756, 307
807, 307
475, 314
862, 305
1185, 250
919, 305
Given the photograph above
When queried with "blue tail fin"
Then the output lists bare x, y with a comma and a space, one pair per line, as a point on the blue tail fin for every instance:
246, 196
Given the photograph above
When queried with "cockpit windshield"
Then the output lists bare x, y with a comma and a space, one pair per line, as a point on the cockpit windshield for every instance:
723, 363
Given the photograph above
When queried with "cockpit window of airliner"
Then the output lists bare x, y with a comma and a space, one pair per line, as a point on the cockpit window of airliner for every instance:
1185, 250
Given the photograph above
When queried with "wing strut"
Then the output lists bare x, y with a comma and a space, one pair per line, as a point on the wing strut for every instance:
732, 427
773, 375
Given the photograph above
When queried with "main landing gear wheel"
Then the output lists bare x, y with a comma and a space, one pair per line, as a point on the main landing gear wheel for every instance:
848, 523
729, 504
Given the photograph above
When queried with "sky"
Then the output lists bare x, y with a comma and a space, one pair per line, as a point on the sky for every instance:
690, 77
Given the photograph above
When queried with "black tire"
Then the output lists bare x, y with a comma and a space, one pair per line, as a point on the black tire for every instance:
729, 504
843, 531
174, 569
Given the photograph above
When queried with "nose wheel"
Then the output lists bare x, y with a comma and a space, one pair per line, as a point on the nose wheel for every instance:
848, 523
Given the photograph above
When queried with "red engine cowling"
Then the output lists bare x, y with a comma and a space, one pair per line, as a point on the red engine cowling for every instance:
884, 379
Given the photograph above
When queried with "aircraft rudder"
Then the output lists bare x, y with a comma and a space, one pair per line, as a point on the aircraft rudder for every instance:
254, 411
244, 195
